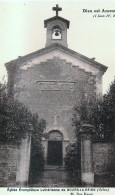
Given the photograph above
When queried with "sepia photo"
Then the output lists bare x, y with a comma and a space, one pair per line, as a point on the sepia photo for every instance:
57, 94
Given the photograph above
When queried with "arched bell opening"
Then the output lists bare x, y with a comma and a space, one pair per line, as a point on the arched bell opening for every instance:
55, 148
56, 33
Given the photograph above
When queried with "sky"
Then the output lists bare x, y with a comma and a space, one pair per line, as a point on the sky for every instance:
91, 32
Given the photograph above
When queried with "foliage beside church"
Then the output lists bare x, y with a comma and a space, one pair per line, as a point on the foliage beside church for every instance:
15, 119
72, 159
98, 112
101, 114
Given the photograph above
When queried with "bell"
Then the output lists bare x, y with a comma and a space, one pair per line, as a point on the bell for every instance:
57, 33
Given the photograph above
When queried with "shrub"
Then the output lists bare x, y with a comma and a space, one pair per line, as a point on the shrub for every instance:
37, 151
72, 159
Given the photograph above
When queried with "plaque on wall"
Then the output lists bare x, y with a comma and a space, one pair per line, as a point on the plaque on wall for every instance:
55, 86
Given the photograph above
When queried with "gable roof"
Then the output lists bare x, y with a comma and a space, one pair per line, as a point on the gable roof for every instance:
62, 48
55, 18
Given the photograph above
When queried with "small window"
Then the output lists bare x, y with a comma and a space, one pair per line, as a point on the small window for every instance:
56, 33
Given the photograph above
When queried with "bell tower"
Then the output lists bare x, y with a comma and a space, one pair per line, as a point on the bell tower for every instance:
56, 29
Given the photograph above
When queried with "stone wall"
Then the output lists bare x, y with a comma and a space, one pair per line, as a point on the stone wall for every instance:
103, 161
104, 157
8, 164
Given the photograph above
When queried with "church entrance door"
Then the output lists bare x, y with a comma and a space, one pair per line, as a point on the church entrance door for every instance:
54, 153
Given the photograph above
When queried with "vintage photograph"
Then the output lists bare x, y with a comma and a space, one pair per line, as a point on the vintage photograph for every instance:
57, 94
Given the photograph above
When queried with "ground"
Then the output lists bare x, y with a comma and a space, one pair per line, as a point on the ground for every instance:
61, 178
55, 178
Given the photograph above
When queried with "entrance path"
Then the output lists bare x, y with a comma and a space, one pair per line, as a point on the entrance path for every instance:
61, 178
55, 178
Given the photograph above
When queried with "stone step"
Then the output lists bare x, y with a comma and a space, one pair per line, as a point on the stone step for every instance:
51, 167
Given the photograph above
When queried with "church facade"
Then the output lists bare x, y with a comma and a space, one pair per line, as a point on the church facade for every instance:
51, 81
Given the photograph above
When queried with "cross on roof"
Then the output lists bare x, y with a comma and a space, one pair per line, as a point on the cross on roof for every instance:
57, 9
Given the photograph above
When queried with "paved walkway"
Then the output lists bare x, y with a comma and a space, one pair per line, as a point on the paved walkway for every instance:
55, 178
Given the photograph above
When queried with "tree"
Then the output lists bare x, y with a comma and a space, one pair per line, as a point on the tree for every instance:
109, 110
14, 120
99, 113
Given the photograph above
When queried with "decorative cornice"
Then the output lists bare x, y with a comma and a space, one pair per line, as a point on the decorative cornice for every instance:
56, 18
87, 129
61, 48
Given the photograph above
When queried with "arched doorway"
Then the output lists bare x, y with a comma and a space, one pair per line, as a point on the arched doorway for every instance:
55, 148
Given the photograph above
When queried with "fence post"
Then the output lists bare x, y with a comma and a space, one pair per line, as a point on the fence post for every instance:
23, 164
87, 174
